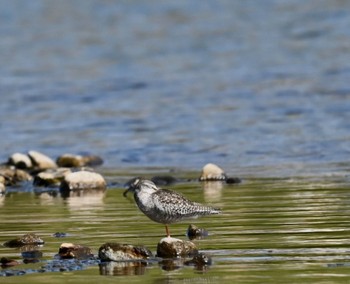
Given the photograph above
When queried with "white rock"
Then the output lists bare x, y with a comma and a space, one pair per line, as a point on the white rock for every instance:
83, 180
212, 172
21, 161
41, 161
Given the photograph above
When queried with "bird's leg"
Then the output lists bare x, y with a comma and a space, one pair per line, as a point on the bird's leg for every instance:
167, 231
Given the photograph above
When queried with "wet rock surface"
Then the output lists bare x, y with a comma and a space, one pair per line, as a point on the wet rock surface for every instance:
171, 248
118, 252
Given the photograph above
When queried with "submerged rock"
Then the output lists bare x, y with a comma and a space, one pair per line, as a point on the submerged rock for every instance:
51, 177
193, 232
69, 250
27, 239
41, 161
70, 160
212, 172
119, 252
82, 180
171, 247
20, 161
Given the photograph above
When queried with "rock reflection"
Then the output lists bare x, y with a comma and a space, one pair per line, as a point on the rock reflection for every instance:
85, 200
171, 264
212, 191
122, 268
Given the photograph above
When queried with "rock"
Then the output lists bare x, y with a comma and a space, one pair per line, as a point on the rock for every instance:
232, 180
6, 262
171, 247
41, 161
200, 261
193, 232
82, 180
118, 252
69, 250
51, 177
27, 239
13, 176
211, 172
2, 185
20, 161
163, 180
70, 160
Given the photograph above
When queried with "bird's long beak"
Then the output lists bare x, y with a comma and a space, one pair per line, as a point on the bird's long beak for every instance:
125, 193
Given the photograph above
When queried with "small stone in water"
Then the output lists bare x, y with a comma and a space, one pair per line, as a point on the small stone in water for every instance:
211, 172
27, 239
171, 247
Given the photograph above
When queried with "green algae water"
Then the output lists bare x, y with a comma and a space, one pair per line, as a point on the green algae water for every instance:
293, 229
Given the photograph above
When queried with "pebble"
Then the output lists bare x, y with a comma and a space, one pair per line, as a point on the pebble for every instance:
118, 252
212, 172
171, 248
82, 180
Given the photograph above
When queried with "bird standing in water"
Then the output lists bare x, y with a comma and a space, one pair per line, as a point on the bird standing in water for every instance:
166, 206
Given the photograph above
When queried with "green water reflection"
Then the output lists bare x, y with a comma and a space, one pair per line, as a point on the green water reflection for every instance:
290, 229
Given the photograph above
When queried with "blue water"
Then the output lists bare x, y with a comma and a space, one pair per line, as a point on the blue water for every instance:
178, 83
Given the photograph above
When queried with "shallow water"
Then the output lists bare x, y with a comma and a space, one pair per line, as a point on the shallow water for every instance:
260, 88
147, 83
272, 229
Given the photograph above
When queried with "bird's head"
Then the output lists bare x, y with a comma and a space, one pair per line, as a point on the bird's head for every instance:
139, 184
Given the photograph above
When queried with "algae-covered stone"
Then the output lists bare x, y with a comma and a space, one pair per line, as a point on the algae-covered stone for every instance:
82, 180
211, 172
171, 247
118, 252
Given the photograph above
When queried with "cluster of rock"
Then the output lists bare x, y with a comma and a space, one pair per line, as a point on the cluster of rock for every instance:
168, 249
69, 172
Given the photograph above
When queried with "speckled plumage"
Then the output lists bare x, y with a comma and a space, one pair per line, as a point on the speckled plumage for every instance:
166, 206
